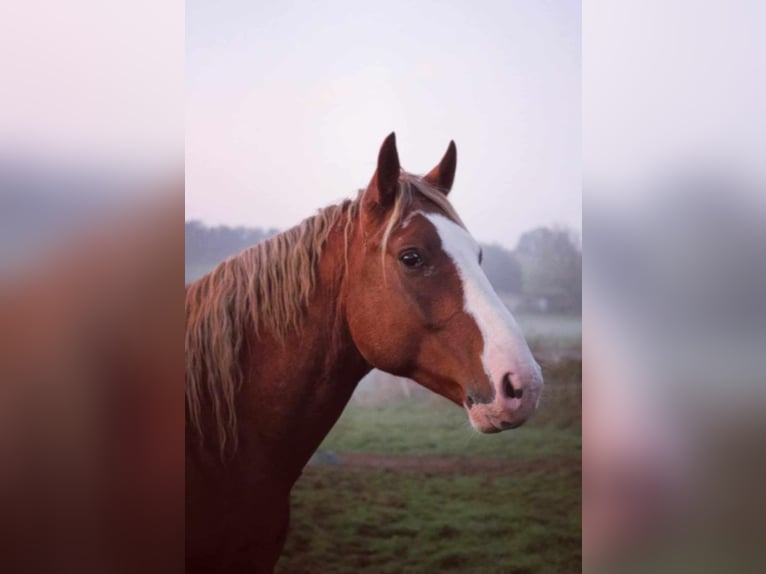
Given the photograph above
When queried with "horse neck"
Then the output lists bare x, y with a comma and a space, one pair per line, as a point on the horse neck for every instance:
296, 387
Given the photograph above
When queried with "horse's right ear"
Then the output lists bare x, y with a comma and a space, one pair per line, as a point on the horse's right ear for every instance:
386, 179
443, 175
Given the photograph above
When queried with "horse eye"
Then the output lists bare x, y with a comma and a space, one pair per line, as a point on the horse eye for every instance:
411, 258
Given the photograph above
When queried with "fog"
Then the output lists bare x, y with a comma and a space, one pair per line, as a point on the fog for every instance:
287, 106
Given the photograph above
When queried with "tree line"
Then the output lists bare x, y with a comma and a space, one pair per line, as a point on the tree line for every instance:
542, 274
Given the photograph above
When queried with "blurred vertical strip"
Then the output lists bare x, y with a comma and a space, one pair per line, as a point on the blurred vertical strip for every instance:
674, 128
91, 280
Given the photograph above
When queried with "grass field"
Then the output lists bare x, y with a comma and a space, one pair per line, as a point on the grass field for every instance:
554, 333
436, 428
408, 486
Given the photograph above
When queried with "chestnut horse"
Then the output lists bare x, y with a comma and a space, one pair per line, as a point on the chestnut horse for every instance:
278, 337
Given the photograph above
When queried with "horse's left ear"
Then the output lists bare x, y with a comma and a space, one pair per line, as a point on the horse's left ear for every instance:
386, 179
443, 175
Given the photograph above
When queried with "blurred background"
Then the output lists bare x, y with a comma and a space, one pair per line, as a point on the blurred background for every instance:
91, 271
674, 129
287, 105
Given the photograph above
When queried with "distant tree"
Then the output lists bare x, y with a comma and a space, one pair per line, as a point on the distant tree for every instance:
210, 245
195, 241
551, 265
502, 268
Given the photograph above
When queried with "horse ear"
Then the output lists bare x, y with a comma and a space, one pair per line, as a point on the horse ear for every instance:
386, 178
443, 175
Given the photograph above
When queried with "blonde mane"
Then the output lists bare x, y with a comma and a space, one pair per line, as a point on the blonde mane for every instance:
266, 288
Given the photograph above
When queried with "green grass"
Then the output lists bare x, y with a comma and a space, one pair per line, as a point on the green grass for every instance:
481, 515
437, 427
384, 521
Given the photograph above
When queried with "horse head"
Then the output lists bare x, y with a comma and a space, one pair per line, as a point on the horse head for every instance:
419, 305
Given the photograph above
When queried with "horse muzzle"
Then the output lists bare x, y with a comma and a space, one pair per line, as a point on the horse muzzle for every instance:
515, 400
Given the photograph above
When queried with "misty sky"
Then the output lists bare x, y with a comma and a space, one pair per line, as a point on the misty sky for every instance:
288, 102
93, 84
672, 86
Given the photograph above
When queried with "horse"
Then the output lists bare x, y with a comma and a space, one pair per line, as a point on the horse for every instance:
278, 337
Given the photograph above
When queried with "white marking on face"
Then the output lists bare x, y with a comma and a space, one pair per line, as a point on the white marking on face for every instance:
505, 349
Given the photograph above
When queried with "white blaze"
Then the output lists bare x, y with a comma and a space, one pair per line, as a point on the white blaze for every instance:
505, 349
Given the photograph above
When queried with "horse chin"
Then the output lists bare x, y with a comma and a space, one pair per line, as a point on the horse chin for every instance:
488, 429
487, 424
485, 427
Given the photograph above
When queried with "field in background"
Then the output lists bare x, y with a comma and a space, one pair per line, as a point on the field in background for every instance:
552, 336
403, 484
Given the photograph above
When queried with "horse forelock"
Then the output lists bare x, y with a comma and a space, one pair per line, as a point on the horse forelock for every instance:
267, 288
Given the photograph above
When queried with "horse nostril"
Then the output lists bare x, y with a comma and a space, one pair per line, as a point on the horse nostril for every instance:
508, 389
469, 402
